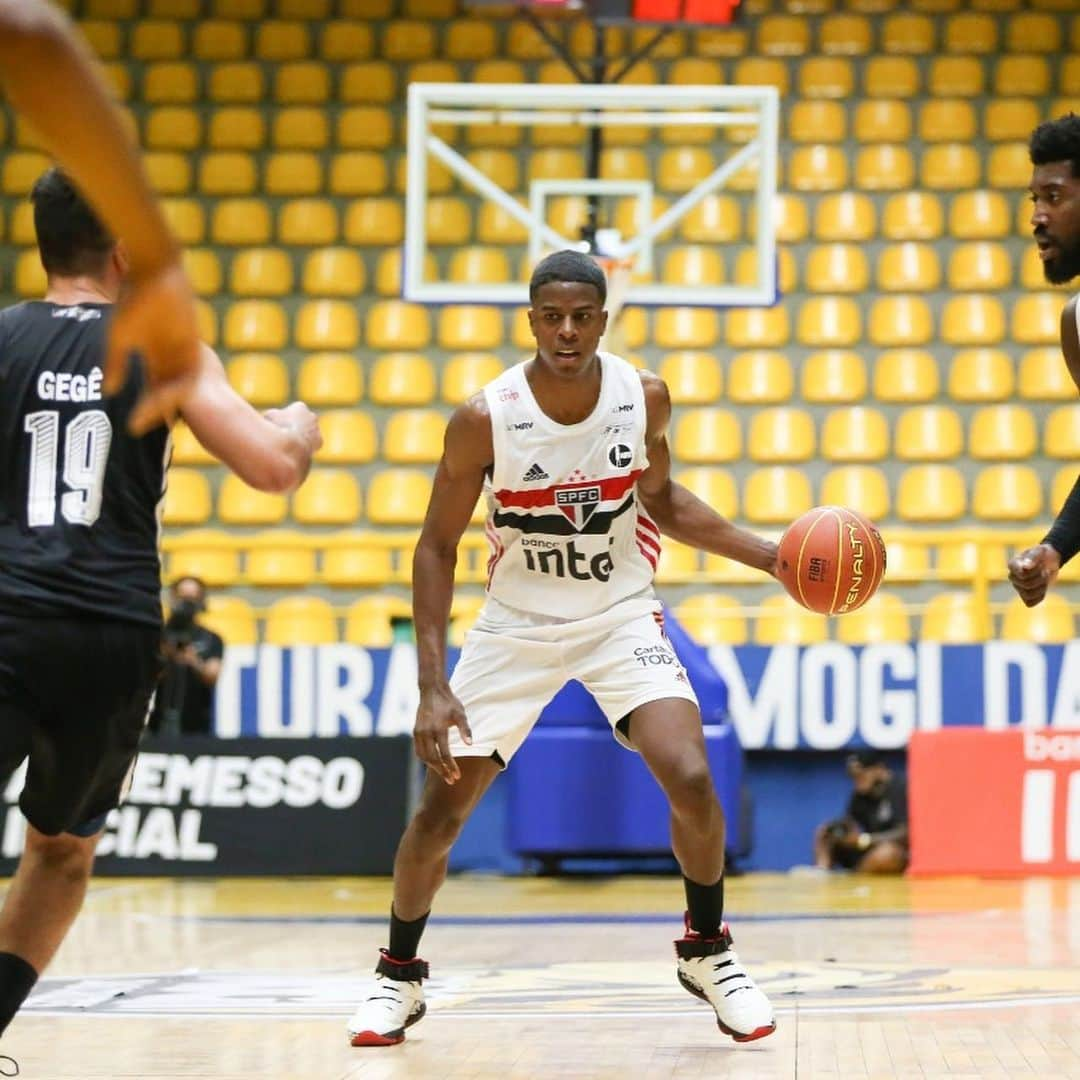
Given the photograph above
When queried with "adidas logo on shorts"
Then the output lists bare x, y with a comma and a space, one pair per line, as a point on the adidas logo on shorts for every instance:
535, 473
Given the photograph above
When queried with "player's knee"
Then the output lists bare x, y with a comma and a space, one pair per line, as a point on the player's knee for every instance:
438, 827
885, 858
64, 855
691, 788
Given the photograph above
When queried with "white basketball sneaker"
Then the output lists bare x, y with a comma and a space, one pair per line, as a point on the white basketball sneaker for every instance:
395, 1002
710, 970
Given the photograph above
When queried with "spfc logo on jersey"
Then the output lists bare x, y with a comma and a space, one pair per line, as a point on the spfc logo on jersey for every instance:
578, 503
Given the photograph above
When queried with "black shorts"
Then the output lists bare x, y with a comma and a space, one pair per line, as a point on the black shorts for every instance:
74, 697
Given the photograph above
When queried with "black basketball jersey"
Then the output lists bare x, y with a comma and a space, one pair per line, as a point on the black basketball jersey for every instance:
79, 496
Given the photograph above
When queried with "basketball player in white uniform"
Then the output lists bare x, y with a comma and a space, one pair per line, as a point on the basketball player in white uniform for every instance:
573, 446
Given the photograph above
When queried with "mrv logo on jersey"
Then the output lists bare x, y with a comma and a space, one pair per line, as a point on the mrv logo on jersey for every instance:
561, 562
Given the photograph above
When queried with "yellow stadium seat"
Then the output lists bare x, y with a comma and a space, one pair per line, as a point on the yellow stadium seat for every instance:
950, 166
262, 378
759, 377
330, 379
955, 618
1061, 437
712, 619
495, 226
1036, 319
856, 434
908, 560
931, 493
479, 265
327, 324
302, 83
908, 267
277, 40
882, 120
401, 378
686, 328
170, 83
781, 621
236, 127
240, 221
300, 128
981, 375
470, 326
239, 504
304, 222
466, 373
169, 173
371, 629
183, 216
1062, 484
1043, 376
826, 77
1007, 493
356, 561
256, 325
208, 555
414, 437
900, 321
186, 449
327, 497
365, 127
624, 163
928, 433
846, 216
829, 322
261, 272
375, 220
284, 560
187, 497
980, 265
715, 220
300, 620
845, 35
884, 167
947, 120
239, 9
682, 168
818, 168
817, 121
408, 39
156, 39
908, 34
448, 221
862, 487
1008, 166
972, 319
358, 172
707, 436
782, 35
761, 71
240, 83
333, 272
219, 39
715, 487
30, 279
104, 39
781, 435
206, 322
1002, 433
776, 495
1050, 622
882, 618
348, 438
913, 215
693, 265
1007, 119
1069, 75
173, 127
118, 78
790, 219
956, 76
398, 497
1027, 76
496, 164
891, 77
693, 378
695, 71
757, 328
369, 82
963, 560
833, 377
300, 173
971, 32
678, 563
470, 39
836, 268
555, 162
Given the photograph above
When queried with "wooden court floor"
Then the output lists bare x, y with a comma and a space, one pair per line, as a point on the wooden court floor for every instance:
536, 978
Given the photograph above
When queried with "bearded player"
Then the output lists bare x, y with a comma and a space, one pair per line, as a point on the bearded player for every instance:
1055, 218
573, 443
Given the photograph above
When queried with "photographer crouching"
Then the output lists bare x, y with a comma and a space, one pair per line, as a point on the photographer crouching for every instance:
184, 704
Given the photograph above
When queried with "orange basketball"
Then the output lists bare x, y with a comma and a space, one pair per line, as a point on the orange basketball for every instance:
831, 560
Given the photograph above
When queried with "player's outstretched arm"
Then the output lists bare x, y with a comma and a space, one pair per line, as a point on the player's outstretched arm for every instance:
459, 479
51, 78
679, 513
271, 451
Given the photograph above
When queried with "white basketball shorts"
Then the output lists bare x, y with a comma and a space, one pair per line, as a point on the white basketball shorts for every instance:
513, 663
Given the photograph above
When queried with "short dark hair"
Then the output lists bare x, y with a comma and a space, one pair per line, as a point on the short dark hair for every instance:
70, 236
568, 266
1057, 140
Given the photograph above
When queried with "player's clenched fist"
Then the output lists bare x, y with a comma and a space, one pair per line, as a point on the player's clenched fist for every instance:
439, 711
1033, 571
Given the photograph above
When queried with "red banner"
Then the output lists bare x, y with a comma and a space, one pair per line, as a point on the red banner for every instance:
994, 802
704, 12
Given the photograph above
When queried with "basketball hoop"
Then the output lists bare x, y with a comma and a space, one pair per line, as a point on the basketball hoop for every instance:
619, 271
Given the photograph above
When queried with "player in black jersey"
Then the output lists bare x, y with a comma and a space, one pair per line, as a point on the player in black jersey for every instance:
50, 77
80, 588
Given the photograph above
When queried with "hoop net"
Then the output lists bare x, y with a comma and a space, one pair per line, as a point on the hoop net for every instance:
619, 271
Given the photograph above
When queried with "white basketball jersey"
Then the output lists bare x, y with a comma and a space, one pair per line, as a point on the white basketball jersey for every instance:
568, 535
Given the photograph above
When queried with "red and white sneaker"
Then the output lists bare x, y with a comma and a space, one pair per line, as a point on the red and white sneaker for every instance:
710, 970
395, 1002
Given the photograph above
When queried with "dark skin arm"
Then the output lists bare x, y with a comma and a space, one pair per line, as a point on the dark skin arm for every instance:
459, 479
679, 513
1035, 569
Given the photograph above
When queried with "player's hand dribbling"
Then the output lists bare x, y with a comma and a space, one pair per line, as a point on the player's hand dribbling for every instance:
1033, 571
439, 711
299, 418
155, 317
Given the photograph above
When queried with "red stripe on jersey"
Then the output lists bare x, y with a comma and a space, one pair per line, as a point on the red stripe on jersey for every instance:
647, 522
497, 551
650, 556
648, 541
611, 487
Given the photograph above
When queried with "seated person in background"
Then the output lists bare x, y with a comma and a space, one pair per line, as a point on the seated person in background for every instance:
873, 835
184, 704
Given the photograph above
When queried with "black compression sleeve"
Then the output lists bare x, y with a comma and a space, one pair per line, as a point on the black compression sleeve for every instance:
1064, 534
